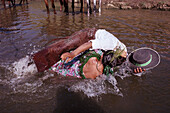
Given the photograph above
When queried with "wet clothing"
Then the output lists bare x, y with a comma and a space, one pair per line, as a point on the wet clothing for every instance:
106, 41
75, 66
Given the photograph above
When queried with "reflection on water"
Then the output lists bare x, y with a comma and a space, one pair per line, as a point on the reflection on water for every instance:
27, 29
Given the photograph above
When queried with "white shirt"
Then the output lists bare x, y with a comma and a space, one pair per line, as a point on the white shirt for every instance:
106, 41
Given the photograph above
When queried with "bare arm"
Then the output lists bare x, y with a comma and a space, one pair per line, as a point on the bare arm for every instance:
47, 57
77, 51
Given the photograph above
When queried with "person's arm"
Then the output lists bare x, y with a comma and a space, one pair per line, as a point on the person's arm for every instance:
47, 57
71, 55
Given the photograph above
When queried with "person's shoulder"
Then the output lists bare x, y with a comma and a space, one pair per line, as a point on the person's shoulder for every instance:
101, 30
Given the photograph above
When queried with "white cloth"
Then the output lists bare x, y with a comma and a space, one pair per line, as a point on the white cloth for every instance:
106, 41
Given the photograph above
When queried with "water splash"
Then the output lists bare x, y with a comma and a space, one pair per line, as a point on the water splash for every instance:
25, 81
104, 84
92, 88
97, 87
23, 67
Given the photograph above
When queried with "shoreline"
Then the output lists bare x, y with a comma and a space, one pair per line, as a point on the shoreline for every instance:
163, 5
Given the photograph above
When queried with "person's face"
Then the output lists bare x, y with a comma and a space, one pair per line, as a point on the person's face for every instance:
93, 68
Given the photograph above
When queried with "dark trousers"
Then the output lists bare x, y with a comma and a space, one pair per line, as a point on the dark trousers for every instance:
47, 57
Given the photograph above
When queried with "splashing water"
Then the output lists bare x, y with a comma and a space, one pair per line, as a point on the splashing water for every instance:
24, 66
104, 84
24, 70
93, 88
124, 71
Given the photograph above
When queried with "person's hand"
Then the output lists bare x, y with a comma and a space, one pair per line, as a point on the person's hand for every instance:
67, 56
138, 70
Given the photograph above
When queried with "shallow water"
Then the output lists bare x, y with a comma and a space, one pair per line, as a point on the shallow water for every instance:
27, 29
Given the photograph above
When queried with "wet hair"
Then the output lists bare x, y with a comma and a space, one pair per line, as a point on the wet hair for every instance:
108, 59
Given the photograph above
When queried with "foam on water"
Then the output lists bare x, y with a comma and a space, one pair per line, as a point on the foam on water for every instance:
24, 66
19, 76
97, 87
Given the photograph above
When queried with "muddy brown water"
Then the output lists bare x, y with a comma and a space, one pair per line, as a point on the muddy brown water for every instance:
26, 29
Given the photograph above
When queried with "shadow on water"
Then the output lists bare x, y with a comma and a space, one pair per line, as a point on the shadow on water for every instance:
71, 102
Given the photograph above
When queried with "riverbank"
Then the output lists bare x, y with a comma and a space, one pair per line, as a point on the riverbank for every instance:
138, 4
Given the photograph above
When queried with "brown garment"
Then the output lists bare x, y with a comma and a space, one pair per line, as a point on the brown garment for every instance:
47, 57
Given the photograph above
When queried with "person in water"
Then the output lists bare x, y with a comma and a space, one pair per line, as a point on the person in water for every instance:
97, 52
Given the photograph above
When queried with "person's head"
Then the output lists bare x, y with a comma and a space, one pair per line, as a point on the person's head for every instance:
111, 59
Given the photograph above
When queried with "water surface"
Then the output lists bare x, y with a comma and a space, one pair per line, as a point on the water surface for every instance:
27, 29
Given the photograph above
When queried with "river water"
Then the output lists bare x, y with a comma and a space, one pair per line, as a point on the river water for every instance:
27, 29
